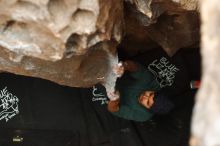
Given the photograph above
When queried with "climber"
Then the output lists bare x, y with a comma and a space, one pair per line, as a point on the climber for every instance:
138, 95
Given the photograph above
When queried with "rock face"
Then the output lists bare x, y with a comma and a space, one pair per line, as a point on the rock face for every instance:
66, 41
206, 117
73, 42
164, 23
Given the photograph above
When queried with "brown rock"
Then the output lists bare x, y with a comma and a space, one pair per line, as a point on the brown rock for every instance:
172, 25
73, 42
42, 29
70, 42
176, 30
79, 71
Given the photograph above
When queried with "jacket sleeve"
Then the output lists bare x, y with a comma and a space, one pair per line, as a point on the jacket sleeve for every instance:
140, 71
126, 112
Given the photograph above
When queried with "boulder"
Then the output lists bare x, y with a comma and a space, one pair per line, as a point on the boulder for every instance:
74, 42
66, 41
171, 25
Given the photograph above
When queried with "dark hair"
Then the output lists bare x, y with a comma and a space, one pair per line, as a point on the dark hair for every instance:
162, 105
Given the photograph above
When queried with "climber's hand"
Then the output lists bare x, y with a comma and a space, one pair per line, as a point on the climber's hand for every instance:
119, 69
113, 95
113, 105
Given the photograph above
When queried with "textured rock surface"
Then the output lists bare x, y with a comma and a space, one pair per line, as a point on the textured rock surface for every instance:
73, 42
76, 71
41, 29
206, 117
66, 41
170, 24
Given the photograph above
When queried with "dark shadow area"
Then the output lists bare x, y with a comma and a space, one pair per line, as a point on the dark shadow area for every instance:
52, 115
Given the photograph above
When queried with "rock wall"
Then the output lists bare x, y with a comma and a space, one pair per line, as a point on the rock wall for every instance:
206, 117
74, 42
66, 41
164, 23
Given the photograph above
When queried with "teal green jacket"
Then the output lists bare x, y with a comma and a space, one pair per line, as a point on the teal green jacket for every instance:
130, 87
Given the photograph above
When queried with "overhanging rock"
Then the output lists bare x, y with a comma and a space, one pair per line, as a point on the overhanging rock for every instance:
65, 41
171, 24
73, 42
